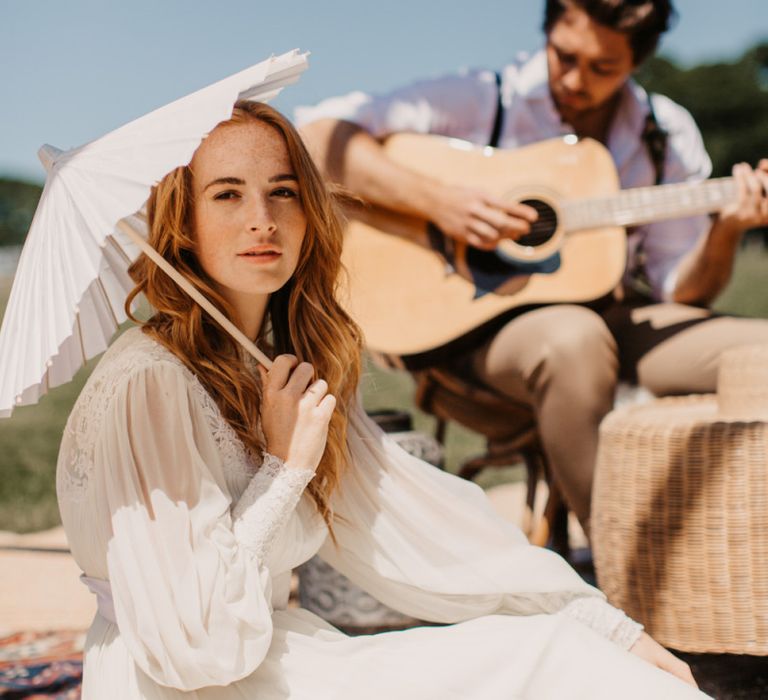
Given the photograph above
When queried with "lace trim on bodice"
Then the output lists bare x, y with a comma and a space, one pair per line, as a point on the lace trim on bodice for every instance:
131, 354
267, 503
607, 621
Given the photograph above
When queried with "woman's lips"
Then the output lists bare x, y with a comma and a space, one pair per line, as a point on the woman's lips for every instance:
263, 253
264, 256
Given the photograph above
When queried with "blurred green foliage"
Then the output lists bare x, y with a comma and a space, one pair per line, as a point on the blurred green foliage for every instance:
729, 102
18, 201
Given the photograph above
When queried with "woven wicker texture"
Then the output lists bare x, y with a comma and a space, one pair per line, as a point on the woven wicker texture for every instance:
680, 523
742, 383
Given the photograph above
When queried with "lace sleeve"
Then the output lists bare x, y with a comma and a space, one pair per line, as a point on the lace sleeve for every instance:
267, 502
606, 620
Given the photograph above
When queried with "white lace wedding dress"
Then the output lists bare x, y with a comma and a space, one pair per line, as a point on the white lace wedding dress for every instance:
190, 542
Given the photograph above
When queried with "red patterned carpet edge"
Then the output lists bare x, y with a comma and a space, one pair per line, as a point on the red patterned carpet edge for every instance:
41, 665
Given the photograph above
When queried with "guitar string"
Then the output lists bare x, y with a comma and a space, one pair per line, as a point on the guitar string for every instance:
634, 205
650, 202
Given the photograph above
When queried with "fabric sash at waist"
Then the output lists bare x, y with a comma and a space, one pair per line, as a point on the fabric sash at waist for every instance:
103, 592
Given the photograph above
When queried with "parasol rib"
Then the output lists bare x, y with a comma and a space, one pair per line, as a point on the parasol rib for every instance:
190, 289
107, 303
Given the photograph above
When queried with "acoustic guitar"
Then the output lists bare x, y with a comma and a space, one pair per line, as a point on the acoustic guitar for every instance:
413, 290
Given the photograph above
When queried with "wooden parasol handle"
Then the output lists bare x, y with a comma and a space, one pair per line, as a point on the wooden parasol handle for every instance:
193, 292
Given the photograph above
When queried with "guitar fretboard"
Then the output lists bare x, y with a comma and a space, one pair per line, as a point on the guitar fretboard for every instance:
643, 205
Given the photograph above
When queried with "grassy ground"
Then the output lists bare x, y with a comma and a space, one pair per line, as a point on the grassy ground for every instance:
29, 440
747, 293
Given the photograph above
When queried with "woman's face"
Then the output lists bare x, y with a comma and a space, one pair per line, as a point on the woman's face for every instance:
248, 217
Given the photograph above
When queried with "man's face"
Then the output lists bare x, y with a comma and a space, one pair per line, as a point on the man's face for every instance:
588, 63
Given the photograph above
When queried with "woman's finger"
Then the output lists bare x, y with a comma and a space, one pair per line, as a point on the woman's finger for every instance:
316, 390
278, 375
300, 378
327, 405
680, 669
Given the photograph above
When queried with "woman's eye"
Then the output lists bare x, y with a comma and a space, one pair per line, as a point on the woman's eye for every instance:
229, 194
285, 192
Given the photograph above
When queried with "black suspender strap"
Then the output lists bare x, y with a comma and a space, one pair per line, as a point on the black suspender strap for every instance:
496, 133
655, 139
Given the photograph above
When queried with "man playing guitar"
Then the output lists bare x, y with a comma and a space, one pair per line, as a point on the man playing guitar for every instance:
565, 359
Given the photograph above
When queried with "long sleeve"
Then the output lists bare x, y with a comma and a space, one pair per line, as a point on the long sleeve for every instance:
267, 502
191, 591
429, 544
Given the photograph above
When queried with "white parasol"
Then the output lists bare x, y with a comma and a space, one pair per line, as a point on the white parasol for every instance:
71, 282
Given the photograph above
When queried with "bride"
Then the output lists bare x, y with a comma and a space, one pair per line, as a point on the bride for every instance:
191, 482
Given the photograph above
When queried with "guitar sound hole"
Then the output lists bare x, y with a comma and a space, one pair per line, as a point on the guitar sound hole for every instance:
543, 228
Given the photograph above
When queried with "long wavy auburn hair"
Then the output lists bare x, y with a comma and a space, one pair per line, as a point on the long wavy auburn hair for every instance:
303, 317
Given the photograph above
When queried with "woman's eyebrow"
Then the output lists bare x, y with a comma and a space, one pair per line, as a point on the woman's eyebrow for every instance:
238, 181
224, 181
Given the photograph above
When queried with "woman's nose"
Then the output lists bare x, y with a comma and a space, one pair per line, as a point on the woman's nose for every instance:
260, 218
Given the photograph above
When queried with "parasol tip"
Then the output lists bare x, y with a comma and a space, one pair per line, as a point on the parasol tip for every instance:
48, 155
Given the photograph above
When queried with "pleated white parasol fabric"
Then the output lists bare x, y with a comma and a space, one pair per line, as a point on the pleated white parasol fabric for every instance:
71, 282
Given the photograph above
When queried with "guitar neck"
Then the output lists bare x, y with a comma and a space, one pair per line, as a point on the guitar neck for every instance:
644, 205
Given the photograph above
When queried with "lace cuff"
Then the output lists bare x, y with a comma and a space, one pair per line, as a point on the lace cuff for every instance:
267, 503
604, 619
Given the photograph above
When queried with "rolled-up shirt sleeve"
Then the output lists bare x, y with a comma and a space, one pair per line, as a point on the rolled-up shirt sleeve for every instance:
454, 105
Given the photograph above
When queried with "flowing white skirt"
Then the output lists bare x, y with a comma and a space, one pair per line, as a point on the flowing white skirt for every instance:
490, 658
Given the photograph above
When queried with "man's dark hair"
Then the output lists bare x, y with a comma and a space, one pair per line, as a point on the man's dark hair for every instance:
644, 21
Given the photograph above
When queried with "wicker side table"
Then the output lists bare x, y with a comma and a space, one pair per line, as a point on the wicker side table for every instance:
680, 523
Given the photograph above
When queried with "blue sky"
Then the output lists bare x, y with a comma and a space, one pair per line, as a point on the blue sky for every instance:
70, 70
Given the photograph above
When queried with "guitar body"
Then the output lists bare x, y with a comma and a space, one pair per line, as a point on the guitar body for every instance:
412, 294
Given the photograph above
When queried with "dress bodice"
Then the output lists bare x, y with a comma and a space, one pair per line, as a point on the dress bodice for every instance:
82, 466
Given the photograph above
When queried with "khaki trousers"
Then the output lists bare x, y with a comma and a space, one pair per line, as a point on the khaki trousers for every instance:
565, 362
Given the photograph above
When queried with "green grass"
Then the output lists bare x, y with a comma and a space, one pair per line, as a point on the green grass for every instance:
747, 293
388, 389
29, 440
29, 444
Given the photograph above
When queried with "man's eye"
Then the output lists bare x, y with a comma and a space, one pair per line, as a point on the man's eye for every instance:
566, 57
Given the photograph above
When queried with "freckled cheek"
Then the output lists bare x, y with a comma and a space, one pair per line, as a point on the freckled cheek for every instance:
210, 251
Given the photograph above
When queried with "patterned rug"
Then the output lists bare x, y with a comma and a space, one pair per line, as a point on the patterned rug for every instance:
41, 665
